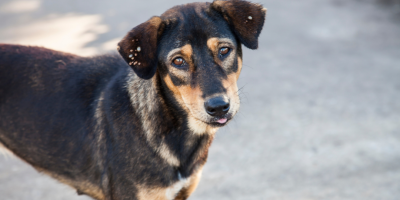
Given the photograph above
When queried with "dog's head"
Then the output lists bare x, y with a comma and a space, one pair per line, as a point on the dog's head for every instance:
196, 51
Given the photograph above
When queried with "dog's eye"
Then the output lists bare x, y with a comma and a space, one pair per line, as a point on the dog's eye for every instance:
178, 61
224, 50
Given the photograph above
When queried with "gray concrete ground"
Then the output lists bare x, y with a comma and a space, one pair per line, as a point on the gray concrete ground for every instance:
320, 116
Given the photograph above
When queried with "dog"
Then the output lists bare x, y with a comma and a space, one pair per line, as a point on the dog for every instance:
134, 125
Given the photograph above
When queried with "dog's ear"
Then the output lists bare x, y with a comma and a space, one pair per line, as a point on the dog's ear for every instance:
246, 19
139, 47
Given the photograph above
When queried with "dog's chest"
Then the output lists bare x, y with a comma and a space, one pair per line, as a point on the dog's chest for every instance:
173, 190
168, 193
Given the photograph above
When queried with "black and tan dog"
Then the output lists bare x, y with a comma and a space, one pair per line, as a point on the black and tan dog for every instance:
116, 133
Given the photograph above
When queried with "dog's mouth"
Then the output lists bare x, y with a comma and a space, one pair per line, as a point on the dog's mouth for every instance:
213, 121
219, 121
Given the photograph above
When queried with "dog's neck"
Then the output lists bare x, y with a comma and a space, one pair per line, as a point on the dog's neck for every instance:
167, 131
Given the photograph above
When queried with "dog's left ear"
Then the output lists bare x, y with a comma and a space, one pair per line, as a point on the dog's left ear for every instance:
139, 47
246, 19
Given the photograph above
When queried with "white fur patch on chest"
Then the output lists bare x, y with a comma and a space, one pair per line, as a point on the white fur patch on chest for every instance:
176, 187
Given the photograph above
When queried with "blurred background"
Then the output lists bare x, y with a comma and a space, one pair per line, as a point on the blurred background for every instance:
320, 115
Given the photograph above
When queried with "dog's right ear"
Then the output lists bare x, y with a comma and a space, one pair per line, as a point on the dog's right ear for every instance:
139, 47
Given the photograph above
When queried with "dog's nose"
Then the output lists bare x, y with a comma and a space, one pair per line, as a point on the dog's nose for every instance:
217, 106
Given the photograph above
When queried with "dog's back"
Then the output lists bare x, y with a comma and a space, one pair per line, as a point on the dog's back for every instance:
33, 69
46, 92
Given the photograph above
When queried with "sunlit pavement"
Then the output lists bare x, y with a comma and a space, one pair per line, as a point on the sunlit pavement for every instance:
320, 115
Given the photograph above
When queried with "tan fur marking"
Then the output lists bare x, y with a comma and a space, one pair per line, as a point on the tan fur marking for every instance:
187, 51
197, 126
166, 153
185, 95
155, 21
240, 64
212, 44
190, 96
230, 84
171, 86
151, 193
